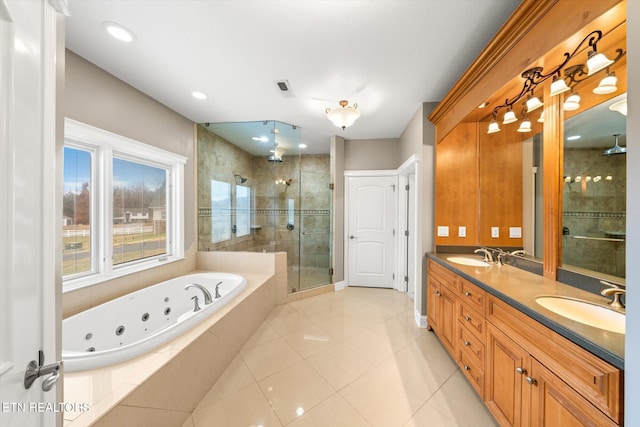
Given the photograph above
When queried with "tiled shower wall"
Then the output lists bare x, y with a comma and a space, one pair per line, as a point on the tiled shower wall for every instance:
596, 209
308, 244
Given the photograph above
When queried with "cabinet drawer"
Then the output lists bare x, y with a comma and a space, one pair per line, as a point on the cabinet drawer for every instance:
472, 295
471, 344
472, 371
472, 320
444, 276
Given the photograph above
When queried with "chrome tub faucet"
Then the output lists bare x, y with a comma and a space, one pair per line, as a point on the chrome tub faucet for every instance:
205, 291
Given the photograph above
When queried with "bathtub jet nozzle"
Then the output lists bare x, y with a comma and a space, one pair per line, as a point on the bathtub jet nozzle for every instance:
205, 291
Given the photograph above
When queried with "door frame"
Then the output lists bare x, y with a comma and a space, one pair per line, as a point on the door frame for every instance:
371, 174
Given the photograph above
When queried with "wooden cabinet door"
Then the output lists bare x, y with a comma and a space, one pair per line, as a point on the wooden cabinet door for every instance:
433, 299
554, 403
448, 319
507, 365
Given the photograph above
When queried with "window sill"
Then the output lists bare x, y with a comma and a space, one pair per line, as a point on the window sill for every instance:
95, 279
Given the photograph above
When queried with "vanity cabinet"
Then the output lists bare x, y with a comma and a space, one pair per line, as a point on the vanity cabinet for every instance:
527, 374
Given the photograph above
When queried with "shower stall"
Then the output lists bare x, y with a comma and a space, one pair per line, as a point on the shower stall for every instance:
259, 191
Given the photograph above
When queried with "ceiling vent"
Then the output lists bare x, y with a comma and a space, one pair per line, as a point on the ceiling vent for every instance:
285, 88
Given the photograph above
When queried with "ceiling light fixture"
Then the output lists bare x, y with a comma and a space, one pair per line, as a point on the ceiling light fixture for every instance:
344, 116
198, 95
573, 137
119, 32
301, 145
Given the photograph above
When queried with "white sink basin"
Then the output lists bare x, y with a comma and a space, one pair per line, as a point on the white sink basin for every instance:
468, 261
585, 312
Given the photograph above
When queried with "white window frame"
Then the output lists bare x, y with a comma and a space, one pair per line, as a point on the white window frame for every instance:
104, 145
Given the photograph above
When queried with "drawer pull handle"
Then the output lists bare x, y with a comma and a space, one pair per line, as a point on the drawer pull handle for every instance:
438, 293
466, 367
521, 371
467, 318
531, 381
467, 293
467, 343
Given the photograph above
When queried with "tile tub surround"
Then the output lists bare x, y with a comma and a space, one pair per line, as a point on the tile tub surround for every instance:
164, 386
519, 289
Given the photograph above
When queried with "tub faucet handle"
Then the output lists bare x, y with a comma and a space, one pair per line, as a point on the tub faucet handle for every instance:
196, 305
217, 295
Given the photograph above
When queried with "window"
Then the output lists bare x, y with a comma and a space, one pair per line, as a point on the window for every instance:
122, 206
220, 211
243, 210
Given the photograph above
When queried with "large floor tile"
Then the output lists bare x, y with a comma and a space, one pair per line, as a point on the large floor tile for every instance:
333, 412
236, 377
270, 357
339, 365
430, 416
381, 401
247, 407
309, 340
458, 401
295, 390
422, 366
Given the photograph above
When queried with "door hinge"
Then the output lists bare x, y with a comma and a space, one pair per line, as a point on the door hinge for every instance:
394, 187
331, 186
394, 232
406, 278
331, 272
393, 276
406, 187
406, 233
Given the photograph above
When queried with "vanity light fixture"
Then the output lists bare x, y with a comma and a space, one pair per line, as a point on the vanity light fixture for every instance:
597, 178
119, 32
533, 102
608, 178
541, 118
493, 126
607, 84
344, 116
535, 76
525, 126
597, 61
572, 102
620, 107
509, 117
558, 86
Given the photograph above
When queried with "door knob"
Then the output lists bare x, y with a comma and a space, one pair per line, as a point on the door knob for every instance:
352, 237
36, 369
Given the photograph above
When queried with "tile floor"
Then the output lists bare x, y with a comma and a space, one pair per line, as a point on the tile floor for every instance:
348, 358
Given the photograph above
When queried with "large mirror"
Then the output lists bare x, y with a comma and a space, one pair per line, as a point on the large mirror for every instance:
594, 191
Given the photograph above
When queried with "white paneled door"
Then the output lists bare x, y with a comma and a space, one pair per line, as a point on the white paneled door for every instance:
28, 213
371, 206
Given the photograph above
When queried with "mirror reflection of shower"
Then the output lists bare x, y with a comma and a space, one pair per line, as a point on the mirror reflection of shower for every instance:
285, 201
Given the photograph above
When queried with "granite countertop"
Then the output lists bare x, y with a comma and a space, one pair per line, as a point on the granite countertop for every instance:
519, 288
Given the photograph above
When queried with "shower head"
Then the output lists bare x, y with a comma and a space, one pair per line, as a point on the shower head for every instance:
242, 179
616, 149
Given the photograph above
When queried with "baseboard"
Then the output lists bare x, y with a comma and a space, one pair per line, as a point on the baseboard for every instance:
340, 285
421, 320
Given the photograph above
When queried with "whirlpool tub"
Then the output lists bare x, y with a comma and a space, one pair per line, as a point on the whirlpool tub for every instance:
134, 324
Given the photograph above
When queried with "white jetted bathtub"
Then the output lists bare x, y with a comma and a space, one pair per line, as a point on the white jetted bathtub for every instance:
136, 323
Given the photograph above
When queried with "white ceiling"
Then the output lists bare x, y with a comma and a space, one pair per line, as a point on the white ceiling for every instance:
389, 56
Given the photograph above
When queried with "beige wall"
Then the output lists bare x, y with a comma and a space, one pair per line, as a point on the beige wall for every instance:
97, 98
371, 154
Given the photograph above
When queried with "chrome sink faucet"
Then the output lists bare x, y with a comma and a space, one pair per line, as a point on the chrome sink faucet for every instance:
487, 254
614, 290
520, 252
205, 291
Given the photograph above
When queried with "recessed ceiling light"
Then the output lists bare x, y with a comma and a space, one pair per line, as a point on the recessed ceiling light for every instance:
302, 145
260, 138
573, 137
198, 95
119, 32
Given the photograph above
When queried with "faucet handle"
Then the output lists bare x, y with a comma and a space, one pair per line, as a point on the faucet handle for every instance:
614, 290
